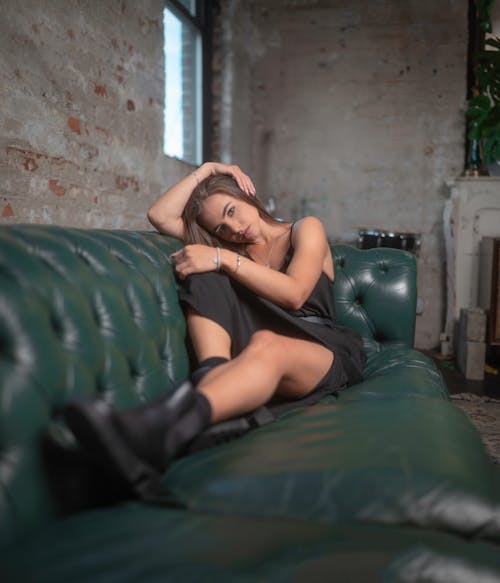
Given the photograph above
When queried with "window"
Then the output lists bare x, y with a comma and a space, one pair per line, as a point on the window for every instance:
185, 47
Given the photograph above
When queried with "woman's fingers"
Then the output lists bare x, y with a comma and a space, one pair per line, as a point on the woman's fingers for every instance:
195, 259
243, 180
248, 185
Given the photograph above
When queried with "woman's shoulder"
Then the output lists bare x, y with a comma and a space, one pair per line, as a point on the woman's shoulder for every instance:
307, 227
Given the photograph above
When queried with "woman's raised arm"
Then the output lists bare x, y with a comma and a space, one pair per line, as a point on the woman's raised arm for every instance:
166, 213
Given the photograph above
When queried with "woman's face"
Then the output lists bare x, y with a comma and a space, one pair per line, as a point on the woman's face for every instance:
230, 219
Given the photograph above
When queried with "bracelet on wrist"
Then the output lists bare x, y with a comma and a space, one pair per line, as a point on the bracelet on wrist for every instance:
238, 262
216, 259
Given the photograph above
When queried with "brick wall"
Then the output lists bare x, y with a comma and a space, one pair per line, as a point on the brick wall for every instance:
354, 112
82, 112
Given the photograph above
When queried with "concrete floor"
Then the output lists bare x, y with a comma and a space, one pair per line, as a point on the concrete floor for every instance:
457, 383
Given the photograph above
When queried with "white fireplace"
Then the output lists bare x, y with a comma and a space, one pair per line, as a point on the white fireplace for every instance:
471, 213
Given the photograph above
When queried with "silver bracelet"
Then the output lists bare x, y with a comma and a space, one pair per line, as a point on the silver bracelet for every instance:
216, 260
238, 262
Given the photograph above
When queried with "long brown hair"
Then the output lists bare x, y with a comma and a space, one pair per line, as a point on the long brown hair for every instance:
194, 233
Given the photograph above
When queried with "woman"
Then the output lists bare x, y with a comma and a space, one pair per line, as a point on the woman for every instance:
258, 298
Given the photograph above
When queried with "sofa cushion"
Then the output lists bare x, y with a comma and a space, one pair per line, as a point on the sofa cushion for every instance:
137, 543
394, 372
399, 461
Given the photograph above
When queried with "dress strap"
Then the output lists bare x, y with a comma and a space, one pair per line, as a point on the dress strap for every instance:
289, 253
290, 244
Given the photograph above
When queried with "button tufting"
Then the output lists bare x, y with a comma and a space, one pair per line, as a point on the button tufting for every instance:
82, 312
132, 369
56, 326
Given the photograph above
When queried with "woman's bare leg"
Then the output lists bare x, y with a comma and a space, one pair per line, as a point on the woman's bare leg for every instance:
270, 364
207, 337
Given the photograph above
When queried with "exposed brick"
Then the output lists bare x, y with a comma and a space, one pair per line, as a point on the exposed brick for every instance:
7, 211
74, 125
68, 133
30, 164
127, 182
56, 188
100, 90
32, 160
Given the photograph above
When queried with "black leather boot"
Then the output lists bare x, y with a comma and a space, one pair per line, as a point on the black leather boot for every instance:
140, 442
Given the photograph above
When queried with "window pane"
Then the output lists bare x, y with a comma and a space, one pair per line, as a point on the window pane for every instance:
182, 116
189, 5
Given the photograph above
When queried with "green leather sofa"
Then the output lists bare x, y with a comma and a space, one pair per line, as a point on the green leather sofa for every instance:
387, 482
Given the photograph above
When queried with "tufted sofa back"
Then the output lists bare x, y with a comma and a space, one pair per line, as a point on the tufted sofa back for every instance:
84, 311
376, 295
80, 312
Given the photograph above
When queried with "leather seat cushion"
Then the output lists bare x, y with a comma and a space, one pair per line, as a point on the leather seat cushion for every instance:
135, 542
395, 372
395, 461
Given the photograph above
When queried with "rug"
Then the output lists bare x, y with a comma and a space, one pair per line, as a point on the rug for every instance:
484, 412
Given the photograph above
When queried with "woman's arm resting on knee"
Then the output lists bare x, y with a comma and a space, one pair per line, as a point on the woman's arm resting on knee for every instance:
166, 213
289, 290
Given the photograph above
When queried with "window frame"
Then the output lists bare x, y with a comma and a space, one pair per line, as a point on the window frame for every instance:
202, 22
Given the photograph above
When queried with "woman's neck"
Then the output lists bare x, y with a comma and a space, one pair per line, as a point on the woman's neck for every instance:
270, 244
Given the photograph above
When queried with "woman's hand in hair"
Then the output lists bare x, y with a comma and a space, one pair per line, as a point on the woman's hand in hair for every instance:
196, 259
242, 180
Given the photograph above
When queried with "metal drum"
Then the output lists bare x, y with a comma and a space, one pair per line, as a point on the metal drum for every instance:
390, 239
367, 239
371, 238
410, 242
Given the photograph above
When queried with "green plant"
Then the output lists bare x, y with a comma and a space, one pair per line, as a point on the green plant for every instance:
484, 8
484, 108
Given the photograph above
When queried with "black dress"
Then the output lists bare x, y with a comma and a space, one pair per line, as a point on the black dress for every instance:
240, 312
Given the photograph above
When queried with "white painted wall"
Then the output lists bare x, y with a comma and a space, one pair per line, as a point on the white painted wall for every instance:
471, 213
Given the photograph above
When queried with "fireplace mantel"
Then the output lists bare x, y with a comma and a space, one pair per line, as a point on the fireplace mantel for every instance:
471, 212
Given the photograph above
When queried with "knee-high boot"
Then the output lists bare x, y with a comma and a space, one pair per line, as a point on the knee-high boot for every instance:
140, 442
